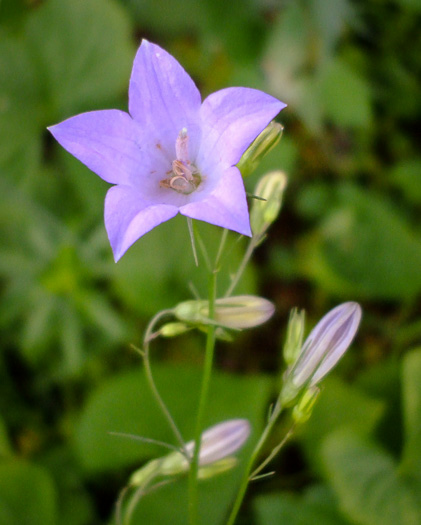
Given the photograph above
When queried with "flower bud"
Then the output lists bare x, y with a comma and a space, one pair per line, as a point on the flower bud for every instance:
323, 348
217, 445
237, 312
295, 334
264, 212
262, 144
303, 409
173, 329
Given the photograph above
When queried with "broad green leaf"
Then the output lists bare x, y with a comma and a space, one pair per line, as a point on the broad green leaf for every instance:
411, 386
317, 505
345, 95
20, 108
369, 486
86, 59
125, 404
406, 175
339, 406
5, 448
27, 495
365, 249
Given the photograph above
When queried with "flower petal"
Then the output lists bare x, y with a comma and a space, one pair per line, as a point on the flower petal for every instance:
107, 141
231, 119
225, 206
128, 217
162, 95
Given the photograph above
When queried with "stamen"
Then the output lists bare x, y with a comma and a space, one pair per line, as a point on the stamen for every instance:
184, 177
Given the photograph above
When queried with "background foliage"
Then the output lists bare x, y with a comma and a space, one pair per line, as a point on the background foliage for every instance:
349, 71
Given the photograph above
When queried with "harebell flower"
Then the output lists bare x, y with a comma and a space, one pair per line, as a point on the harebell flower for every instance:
171, 153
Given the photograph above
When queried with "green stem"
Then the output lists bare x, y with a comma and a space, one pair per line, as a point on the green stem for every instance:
151, 382
254, 456
203, 401
249, 252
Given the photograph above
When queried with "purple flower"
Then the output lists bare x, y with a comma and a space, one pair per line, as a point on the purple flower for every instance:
172, 153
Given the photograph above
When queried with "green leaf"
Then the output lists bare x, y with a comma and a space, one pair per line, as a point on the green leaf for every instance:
365, 249
406, 175
317, 505
367, 482
125, 404
5, 448
20, 111
345, 95
411, 386
27, 495
86, 59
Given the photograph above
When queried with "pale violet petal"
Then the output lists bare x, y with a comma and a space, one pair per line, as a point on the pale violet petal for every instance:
128, 217
350, 319
109, 142
163, 97
231, 119
225, 205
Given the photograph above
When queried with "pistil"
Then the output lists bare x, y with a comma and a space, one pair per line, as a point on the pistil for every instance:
184, 177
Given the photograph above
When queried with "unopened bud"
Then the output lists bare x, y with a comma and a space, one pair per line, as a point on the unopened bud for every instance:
264, 212
217, 445
237, 312
260, 147
295, 334
323, 348
223, 465
303, 409
173, 329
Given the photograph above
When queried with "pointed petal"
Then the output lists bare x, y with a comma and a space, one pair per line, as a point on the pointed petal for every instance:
162, 95
107, 141
231, 119
225, 206
128, 217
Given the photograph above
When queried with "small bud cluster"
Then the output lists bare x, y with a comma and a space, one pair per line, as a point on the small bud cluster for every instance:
326, 344
218, 443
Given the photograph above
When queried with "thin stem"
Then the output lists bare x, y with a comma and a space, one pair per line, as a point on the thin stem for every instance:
250, 248
203, 249
203, 401
193, 244
151, 381
255, 454
274, 452
221, 247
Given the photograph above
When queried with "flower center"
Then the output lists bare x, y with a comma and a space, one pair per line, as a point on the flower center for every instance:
184, 177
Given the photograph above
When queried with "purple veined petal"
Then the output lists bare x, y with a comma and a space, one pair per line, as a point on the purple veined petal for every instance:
231, 119
350, 314
221, 440
326, 343
162, 96
128, 217
109, 142
225, 205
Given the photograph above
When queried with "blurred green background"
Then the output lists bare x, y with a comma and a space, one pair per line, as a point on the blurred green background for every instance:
349, 230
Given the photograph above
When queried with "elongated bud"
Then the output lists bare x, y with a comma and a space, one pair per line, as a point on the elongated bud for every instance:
173, 329
217, 445
238, 312
303, 409
264, 212
323, 348
295, 335
260, 147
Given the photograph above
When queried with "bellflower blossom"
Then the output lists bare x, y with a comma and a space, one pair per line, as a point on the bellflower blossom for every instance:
171, 153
